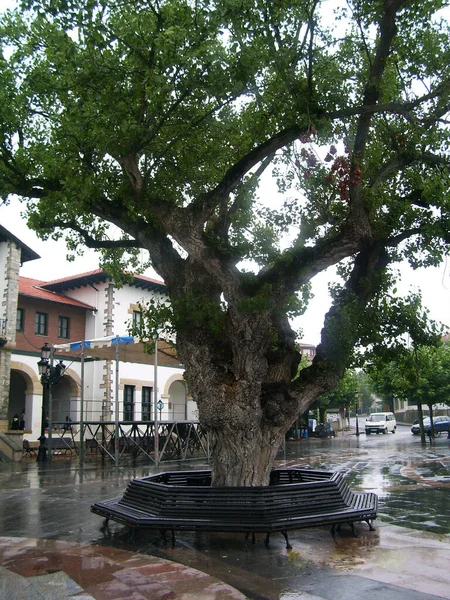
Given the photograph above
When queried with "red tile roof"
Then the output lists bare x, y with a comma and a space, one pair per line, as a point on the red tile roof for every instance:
32, 288
99, 272
78, 276
97, 276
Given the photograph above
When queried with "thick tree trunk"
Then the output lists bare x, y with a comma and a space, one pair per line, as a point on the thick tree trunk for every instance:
243, 458
246, 421
244, 441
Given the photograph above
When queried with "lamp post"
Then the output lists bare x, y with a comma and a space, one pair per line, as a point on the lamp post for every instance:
49, 376
356, 411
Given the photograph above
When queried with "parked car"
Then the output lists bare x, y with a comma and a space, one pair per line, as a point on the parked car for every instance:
415, 429
380, 423
440, 423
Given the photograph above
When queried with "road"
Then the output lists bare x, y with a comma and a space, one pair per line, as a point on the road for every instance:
405, 558
412, 481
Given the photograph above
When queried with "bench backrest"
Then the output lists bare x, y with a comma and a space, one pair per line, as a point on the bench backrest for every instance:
193, 496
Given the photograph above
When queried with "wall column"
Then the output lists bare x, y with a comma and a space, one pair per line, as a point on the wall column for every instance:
107, 383
10, 257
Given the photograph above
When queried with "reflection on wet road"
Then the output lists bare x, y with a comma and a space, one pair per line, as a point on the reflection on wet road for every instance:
411, 537
412, 481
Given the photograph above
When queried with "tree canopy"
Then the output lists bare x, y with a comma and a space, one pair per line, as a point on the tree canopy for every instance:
160, 118
420, 376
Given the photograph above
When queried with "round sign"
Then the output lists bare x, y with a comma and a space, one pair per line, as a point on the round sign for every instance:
160, 405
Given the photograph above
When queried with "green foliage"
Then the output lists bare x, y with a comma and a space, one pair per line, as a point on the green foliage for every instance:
421, 374
156, 321
366, 394
392, 325
344, 395
164, 318
154, 124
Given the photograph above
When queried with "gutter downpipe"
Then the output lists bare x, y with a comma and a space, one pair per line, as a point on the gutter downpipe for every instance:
116, 435
155, 377
82, 406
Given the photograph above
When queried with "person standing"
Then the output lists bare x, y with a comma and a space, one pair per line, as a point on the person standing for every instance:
22, 420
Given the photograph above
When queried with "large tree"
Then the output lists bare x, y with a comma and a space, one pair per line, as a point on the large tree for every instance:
160, 117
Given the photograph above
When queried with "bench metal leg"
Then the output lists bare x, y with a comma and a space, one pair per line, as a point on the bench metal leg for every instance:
369, 523
285, 535
247, 535
164, 536
288, 545
105, 526
337, 527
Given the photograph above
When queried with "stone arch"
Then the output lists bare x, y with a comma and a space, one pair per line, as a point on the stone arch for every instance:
74, 381
176, 397
66, 397
25, 385
171, 379
30, 376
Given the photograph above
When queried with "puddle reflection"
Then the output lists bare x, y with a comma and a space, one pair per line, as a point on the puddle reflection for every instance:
412, 481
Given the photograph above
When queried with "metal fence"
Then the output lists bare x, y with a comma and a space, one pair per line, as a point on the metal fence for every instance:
127, 441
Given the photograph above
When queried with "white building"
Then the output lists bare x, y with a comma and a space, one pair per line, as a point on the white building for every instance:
83, 307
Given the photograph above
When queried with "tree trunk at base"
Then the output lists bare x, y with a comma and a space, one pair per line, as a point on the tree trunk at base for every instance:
243, 461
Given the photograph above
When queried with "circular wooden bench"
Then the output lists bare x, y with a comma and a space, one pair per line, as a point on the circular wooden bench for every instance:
184, 500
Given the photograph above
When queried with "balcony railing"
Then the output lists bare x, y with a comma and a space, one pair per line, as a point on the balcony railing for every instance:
177, 440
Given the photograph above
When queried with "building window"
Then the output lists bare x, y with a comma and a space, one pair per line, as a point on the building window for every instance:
41, 324
147, 403
137, 320
128, 403
20, 319
63, 327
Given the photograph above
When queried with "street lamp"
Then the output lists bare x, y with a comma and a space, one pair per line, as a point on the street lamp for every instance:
49, 376
356, 411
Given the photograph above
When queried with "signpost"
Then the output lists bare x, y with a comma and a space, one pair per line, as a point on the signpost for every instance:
160, 406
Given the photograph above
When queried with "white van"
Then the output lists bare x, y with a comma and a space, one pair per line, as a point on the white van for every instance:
381, 423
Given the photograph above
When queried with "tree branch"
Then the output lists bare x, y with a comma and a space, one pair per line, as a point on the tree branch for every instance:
341, 331
296, 267
311, 28
404, 160
399, 108
236, 173
387, 32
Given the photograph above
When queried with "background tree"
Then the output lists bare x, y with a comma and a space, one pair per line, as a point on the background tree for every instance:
342, 396
159, 118
366, 392
420, 376
401, 353
383, 379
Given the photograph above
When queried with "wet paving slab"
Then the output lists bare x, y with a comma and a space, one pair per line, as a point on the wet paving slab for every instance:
46, 511
59, 570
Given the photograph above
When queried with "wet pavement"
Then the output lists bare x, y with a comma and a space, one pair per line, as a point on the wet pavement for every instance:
52, 546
